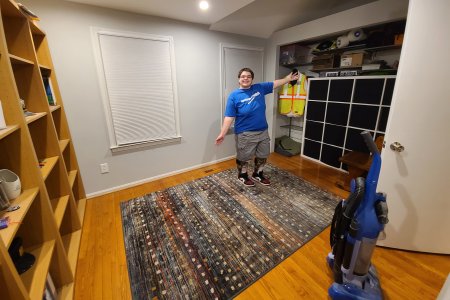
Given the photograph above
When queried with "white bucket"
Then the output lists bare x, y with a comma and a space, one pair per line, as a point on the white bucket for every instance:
10, 183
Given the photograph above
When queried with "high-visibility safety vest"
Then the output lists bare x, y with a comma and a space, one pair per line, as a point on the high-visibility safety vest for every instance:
291, 101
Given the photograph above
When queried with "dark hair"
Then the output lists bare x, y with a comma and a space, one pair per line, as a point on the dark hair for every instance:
245, 70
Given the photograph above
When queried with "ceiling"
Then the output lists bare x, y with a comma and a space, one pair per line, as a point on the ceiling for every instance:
259, 18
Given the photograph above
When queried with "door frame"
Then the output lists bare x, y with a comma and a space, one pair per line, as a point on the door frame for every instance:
223, 47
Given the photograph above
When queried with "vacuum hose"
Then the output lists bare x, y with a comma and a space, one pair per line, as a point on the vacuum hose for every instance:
351, 204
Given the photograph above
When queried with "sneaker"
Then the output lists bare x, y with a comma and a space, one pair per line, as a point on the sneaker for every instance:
259, 177
245, 180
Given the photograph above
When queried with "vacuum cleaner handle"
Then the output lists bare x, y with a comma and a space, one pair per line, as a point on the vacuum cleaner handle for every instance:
369, 142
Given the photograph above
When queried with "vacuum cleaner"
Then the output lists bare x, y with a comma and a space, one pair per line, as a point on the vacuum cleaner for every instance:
357, 223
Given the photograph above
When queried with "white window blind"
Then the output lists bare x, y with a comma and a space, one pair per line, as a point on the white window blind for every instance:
137, 74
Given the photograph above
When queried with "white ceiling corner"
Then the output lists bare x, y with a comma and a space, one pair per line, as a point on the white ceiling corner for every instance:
183, 10
258, 18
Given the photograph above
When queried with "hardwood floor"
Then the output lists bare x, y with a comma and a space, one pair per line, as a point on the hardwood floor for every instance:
102, 267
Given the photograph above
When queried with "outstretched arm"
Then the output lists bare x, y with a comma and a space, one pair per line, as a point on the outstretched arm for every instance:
289, 77
227, 121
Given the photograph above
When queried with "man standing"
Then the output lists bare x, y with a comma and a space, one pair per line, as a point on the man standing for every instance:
247, 107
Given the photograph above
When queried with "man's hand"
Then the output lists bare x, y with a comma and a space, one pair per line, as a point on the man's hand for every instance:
220, 139
290, 77
227, 121
293, 76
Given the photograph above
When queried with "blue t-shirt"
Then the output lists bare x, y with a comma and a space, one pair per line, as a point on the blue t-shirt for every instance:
248, 107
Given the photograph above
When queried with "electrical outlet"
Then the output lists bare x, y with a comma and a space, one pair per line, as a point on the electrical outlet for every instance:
104, 168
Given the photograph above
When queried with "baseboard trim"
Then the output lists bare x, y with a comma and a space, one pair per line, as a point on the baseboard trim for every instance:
139, 182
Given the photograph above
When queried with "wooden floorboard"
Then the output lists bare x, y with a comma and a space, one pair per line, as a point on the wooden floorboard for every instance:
102, 268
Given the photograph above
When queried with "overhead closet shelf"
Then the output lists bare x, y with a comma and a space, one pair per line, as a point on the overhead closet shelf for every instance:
295, 127
296, 65
358, 47
387, 71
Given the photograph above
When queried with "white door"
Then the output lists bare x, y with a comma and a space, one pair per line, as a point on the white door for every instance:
234, 58
417, 180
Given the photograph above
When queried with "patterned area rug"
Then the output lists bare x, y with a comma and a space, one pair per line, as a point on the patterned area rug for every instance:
213, 237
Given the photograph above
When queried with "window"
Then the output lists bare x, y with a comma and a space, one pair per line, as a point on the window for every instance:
137, 77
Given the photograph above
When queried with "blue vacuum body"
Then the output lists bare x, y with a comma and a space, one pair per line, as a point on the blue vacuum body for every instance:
356, 226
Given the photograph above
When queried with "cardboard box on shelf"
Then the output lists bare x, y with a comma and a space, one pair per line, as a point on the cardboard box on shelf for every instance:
398, 39
295, 54
352, 59
325, 61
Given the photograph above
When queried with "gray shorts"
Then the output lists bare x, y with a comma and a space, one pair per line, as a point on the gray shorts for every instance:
252, 143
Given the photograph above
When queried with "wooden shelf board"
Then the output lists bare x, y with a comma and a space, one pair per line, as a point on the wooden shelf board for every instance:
16, 217
35, 117
63, 144
72, 177
17, 60
34, 278
336, 69
45, 68
81, 206
35, 29
71, 243
293, 65
66, 292
295, 127
338, 50
54, 107
358, 47
49, 164
59, 206
8, 130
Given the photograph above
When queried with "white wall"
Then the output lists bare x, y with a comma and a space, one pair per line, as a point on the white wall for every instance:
366, 15
197, 56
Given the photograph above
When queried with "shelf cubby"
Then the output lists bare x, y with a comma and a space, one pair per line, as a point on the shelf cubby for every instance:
34, 279
16, 30
24, 201
59, 206
63, 145
71, 243
44, 137
17, 156
10, 283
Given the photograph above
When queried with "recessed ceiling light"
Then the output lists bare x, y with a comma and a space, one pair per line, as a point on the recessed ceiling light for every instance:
204, 5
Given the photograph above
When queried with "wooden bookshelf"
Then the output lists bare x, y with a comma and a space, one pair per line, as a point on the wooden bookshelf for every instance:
39, 149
